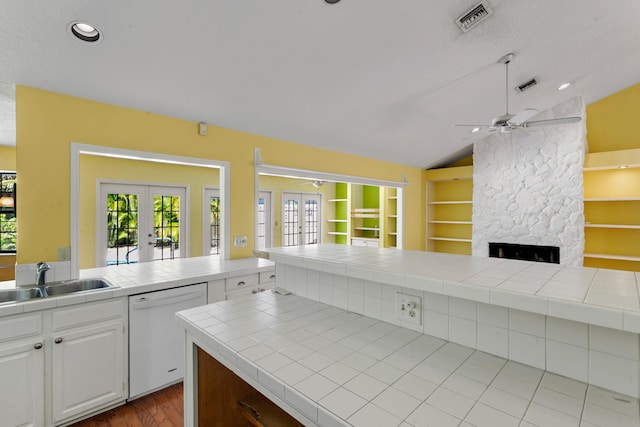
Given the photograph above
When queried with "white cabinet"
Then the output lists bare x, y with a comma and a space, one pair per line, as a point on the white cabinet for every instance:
88, 369
22, 371
215, 291
239, 286
60, 364
88, 358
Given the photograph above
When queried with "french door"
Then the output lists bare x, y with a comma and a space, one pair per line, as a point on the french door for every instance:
301, 218
140, 223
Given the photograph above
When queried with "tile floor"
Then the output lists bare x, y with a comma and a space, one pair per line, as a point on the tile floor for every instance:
343, 369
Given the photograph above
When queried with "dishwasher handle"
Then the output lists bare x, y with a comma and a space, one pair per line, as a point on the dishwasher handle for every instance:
146, 302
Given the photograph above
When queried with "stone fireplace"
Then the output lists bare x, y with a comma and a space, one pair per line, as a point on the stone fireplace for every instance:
528, 190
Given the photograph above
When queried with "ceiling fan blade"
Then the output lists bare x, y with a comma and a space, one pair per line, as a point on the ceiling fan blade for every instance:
523, 116
560, 121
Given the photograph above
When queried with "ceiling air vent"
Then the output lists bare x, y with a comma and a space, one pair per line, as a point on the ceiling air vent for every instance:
474, 16
527, 85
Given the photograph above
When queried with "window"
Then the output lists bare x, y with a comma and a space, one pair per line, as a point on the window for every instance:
211, 221
8, 221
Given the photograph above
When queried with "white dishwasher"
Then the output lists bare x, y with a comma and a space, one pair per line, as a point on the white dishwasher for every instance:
156, 342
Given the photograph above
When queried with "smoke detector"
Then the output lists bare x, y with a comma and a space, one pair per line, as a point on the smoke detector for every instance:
474, 16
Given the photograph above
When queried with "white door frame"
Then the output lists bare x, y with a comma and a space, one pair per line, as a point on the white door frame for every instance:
96, 150
301, 213
268, 219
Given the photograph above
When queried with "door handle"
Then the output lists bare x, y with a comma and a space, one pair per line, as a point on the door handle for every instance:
38, 346
58, 340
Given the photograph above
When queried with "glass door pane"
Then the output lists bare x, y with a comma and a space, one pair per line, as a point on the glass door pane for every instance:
214, 225
311, 220
166, 227
122, 228
290, 219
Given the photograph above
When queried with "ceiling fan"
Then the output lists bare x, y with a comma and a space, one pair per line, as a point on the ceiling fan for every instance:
516, 122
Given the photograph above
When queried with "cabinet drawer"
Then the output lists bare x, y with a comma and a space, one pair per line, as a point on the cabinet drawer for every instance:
87, 313
237, 283
267, 277
20, 327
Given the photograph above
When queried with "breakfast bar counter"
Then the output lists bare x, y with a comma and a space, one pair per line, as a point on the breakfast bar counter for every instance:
326, 366
494, 339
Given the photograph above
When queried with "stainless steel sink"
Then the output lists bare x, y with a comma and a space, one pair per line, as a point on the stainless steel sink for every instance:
20, 294
79, 285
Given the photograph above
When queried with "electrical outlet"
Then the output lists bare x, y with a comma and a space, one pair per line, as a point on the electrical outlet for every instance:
240, 241
409, 308
64, 254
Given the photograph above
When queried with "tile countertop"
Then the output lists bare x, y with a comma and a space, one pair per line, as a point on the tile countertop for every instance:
330, 367
146, 277
601, 297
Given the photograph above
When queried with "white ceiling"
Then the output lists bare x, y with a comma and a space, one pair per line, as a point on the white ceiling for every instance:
380, 78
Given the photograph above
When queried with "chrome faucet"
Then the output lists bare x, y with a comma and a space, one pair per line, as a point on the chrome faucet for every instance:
42, 268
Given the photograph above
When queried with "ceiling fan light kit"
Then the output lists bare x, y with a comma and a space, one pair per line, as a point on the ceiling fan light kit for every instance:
509, 122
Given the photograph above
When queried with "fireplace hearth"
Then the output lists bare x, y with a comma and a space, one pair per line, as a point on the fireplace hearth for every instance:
550, 254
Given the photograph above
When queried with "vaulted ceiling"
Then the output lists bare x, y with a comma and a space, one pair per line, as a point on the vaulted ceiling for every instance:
378, 78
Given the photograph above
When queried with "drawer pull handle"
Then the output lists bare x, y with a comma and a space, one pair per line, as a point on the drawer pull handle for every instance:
57, 340
38, 346
273, 276
241, 283
255, 291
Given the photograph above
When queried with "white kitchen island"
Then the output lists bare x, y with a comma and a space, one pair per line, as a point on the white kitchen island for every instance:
514, 341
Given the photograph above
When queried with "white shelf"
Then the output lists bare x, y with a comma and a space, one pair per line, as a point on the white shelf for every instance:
337, 220
392, 216
450, 222
367, 228
450, 239
392, 233
618, 226
392, 197
336, 200
611, 256
452, 202
612, 199
337, 233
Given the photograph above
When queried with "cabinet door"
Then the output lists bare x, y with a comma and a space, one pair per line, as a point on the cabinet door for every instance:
88, 369
22, 384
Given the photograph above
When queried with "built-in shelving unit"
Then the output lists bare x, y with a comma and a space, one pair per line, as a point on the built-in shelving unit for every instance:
449, 208
390, 200
364, 215
366, 227
612, 210
338, 218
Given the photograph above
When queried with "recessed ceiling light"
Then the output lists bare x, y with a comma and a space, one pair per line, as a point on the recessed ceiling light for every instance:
623, 166
474, 130
85, 32
331, 1
563, 86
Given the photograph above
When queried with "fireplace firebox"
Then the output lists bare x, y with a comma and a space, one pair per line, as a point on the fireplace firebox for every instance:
550, 254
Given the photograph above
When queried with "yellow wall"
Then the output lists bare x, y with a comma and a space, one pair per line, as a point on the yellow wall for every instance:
612, 121
48, 122
93, 168
7, 158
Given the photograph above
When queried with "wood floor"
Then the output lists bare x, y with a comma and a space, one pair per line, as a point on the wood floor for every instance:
163, 408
